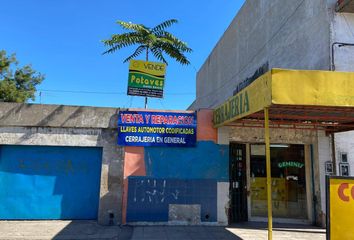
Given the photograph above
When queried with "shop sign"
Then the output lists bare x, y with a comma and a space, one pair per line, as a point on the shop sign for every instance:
290, 164
249, 100
146, 79
235, 106
282, 87
340, 207
170, 129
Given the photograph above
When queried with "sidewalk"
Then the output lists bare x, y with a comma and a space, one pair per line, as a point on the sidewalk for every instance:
259, 231
44, 230
249, 231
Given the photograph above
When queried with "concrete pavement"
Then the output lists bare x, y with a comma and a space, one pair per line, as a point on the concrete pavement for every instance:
44, 230
59, 230
258, 231
248, 231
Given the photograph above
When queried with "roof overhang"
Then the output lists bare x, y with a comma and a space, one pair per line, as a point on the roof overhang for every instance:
303, 99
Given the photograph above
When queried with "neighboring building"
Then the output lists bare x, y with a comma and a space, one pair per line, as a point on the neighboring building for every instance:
60, 162
267, 34
64, 162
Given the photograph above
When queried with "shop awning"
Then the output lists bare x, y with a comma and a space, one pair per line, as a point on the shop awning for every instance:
291, 99
305, 99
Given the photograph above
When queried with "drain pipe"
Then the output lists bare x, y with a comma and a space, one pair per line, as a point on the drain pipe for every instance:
334, 154
340, 44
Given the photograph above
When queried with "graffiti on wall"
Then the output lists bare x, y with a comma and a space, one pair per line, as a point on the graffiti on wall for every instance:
149, 198
154, 191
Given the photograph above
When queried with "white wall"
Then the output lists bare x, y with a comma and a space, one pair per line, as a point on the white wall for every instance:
345, 143
342, 30
284, 33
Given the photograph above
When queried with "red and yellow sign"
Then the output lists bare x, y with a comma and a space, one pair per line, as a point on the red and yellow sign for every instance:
340, 208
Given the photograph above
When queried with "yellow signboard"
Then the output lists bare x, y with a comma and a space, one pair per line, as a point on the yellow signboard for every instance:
340, 208
288, 87
250, 100
146, 78
312, 88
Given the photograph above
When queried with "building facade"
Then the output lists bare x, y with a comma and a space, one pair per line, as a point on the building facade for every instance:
267, 34
63, 162
60, 162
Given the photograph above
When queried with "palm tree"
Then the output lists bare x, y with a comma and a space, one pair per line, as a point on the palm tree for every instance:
155, 40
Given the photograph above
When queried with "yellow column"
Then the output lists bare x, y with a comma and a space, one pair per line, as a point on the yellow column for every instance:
269, 176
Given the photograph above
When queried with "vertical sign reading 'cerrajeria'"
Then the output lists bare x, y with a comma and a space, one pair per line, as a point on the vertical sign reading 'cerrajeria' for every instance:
171, 129
146, 79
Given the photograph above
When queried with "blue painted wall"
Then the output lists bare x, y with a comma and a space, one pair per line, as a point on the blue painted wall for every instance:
206, 161
149, 198
40, 182
178, 176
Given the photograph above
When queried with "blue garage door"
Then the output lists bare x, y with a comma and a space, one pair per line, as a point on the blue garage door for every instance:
40, 182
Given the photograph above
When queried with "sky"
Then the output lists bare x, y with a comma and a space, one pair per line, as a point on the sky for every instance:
62, 40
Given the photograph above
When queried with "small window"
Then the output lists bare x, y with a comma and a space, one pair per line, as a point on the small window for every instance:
329, 168
344, 169
344, 157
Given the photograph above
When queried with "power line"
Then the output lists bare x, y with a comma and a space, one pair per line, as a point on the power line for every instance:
104, 93
163, 105
131, 101
84, 92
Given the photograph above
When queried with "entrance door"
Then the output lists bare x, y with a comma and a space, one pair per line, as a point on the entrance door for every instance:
238, 184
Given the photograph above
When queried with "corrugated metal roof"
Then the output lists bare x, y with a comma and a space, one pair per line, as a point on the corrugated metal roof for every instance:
331, 119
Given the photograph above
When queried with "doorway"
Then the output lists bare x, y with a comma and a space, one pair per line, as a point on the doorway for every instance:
289, 195
238, 183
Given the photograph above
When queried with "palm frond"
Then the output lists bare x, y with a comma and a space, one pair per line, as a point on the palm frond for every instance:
164, 40
156, 39
176, 42
151, 39
158, 54
137, 52
133, 26
118, 41
164, 25
113, 49
175, 53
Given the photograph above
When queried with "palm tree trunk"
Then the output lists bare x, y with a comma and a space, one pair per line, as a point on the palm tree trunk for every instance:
147, 59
